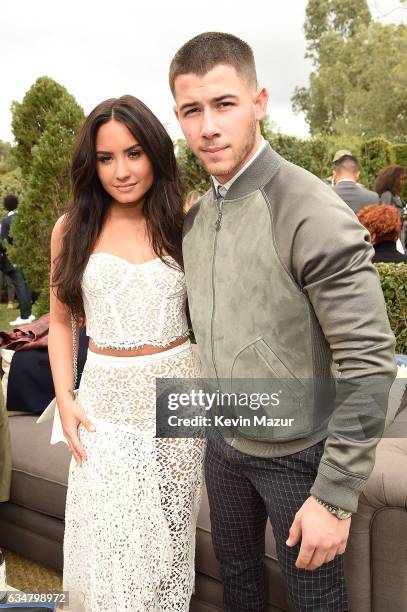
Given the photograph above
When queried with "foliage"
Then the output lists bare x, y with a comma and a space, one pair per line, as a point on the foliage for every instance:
11, 183
315, 155
7, 159
44, 126
322, 17
393, 278
359, 82
193, 174
374, 155
400, 151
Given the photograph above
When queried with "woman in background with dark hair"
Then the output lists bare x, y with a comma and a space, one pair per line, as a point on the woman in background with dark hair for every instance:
116, 261
388, 185
383, 224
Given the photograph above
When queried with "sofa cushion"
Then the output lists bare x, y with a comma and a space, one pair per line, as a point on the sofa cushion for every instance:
40, 471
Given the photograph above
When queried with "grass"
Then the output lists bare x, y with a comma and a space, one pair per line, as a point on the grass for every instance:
8, 315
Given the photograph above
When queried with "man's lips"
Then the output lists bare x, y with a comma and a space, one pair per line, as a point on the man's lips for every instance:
213, 150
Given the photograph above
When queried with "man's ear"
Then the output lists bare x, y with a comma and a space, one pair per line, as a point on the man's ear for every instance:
260, 100
357, 175
176, 111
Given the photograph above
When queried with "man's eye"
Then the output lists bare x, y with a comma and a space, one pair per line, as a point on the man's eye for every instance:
191, 111
223, 104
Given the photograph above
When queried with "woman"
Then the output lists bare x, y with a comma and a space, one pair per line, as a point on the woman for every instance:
388, 185
383, 224
116, 260
191, 198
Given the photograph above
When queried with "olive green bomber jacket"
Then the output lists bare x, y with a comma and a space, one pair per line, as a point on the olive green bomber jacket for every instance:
280, 284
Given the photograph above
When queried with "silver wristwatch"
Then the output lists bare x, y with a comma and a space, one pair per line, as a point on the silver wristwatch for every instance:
340, 513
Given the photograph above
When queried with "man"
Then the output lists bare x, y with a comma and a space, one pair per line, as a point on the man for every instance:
346, 173
23, 293
280, 285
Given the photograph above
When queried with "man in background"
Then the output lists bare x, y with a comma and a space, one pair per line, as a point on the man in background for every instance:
346, 173
10, 203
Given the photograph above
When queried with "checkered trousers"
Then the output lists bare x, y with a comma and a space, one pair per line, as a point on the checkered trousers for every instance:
243, 491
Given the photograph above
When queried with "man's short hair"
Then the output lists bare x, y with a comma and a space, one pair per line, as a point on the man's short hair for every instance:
10, 202
340, 154
205, 51
349, 163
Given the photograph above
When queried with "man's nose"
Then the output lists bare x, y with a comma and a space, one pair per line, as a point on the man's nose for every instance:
209, 127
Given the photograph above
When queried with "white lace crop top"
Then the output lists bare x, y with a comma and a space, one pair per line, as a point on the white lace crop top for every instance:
130, 305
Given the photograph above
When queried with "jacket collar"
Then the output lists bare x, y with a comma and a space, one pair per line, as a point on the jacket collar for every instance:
258, 174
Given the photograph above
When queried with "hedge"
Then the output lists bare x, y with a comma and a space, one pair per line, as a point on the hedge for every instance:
315, 155
400, 151
393, 278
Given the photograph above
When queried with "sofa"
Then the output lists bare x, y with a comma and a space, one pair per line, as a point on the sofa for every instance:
31, 523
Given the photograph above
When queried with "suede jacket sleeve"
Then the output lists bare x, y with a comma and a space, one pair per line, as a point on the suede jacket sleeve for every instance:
328, 252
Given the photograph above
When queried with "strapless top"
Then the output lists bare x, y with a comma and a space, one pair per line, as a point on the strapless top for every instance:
130, 305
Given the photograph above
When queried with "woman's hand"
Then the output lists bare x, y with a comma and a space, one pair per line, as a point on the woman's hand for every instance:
72, 415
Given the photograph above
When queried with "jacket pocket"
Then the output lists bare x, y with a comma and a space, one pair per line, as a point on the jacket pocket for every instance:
258, 372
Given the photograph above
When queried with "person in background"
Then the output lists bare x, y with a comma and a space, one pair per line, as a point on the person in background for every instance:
383, 223
192, 198
388, 185
10, 203
346, 173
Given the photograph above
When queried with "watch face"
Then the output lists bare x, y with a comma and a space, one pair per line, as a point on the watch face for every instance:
343, 514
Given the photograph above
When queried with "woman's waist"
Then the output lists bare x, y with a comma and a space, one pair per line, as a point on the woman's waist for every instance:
136, 349
138, 355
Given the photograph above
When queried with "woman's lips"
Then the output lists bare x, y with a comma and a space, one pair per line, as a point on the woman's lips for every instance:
125, 188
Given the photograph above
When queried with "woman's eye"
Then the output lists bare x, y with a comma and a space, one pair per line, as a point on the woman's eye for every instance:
104, 158
134, 154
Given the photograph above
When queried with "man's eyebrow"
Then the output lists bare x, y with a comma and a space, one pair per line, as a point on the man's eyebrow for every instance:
217, 99
134, 146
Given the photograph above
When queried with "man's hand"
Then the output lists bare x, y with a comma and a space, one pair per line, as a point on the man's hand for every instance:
323, 535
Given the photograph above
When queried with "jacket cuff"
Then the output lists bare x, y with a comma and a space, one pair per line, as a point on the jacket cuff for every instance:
338, 488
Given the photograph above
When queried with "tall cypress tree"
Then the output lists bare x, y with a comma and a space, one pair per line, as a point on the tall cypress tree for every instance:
44, 125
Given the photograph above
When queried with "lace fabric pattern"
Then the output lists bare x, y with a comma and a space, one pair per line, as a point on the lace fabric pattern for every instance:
131, 509
130, 305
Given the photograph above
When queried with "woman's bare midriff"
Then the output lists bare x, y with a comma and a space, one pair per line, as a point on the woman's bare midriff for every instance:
147, 349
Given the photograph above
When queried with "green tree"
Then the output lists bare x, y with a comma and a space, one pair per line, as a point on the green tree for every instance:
359, 82
44, 126
322, 17
193, 174
10, 183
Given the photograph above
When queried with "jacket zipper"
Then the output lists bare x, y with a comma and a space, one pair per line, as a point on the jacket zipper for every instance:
219, 205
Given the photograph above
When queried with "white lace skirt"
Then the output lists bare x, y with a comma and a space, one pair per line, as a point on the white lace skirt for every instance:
131, 508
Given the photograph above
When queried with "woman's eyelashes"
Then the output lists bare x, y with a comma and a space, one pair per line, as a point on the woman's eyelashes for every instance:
106, 158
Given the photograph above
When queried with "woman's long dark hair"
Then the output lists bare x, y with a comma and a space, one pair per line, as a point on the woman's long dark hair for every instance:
389, 180
89, 202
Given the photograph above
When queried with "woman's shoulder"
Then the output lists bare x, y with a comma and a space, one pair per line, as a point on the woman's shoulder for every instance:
57, 233
59, 226
386, 197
